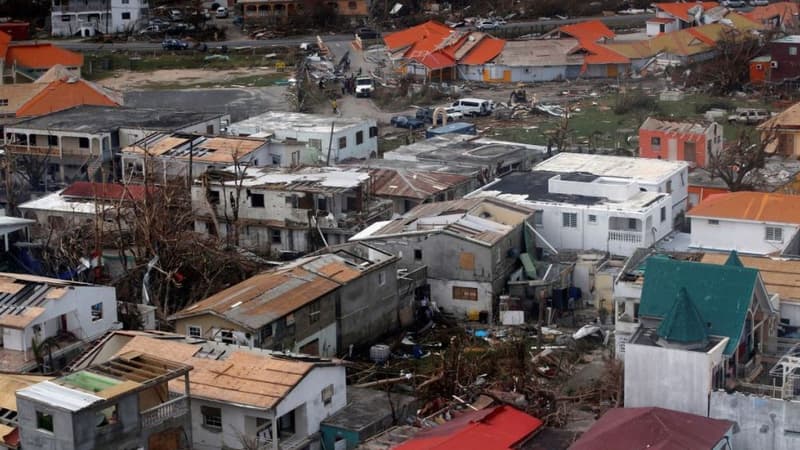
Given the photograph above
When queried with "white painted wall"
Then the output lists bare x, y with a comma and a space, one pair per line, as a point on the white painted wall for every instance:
761, 422
595, 235
742, 236
442, 294
670, 378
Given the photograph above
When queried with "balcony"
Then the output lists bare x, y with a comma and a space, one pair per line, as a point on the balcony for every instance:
54, 151
631, 237
173, 409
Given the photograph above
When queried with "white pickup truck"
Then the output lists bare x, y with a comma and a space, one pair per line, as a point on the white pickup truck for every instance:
365, 86
749, 116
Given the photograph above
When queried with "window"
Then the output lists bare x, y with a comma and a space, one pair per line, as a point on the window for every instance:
569, 220
655, 143
275, 236
315, 143
359, 137
713, 222
213, 197
322, 203
774, 234
126, 16
257, 200
538, 218
194, 331
226, 336
417, 254
327, 394
793, 51
373, 132
107, 416
3, 102
381, 278
97, 312
83, 142
125, 2
52, 140
290, 319
44, 421
663, 213
291, 200
465, 293
296, 158
342, 142
66, 18
212, 417
313, 312
209, 129
592, 218
631, 224
669, 187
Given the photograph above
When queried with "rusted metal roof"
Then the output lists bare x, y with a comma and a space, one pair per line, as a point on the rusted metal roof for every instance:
412, 183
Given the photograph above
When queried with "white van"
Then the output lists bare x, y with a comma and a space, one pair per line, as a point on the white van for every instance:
473, 106
222, 12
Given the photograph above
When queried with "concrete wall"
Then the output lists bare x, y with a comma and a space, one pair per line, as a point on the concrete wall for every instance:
744, 237
761, 422
366, 149
368, 307
518, 74
670, 378
790, 310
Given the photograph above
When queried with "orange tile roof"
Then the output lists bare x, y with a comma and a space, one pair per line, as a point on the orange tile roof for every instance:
42, 56
592, 30
681, 10
64, 94
787, 11
752, 206
600, 54
487, 49
431, 31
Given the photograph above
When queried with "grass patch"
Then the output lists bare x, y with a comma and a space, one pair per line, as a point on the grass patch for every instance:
598, 126
103, 65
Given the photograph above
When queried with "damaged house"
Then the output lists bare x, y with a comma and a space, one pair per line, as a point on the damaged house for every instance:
287, 212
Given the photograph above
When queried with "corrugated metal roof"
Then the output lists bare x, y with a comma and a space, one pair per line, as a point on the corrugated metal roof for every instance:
412, 183
753, 206
105, 191
59, 396
670, 126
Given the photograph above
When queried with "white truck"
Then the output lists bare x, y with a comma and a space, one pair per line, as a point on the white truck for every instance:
365, 86
749, 116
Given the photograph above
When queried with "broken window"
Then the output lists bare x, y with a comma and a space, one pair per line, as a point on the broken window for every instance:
107, 416
44, 421
257, 200
322, 203
313, 312
465, 293
97, 312
212, 417
275, 236
213, 197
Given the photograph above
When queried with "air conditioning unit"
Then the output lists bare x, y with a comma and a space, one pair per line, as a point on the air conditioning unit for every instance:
773, 64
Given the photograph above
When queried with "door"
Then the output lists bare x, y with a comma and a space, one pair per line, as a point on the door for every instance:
62, 323
689, 152
612, 70
672, 149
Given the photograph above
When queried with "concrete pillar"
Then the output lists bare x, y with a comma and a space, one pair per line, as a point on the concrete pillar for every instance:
189, 406
274, 425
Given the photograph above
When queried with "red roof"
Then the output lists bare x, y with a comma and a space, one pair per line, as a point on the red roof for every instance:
681, 10
785, 10
42, 56
431, 32
105, 191
5, 40
64, 94
652, 428
486, 50
497, 428
660, 20
593, 30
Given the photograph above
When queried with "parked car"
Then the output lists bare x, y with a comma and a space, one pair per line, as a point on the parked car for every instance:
484, 25
159, 21
456, 24
365, 33
365, 86
426, 114
749, 116
410, 122
473, 106
174, 44
759, 2
222, 12
152, 29
734, 3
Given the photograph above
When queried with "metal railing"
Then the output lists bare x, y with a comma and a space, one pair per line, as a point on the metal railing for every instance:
171, 409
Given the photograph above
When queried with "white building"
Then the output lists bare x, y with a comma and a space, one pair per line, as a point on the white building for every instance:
756, 223
652, 175
288, 210
87, 17
34, 308
334, 138
582, 211
278, 401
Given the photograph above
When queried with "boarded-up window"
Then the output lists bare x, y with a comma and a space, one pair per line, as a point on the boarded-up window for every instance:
466, 261
465, 293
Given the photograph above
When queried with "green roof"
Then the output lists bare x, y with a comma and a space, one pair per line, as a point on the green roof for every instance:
733, 260
683, 324
721, 293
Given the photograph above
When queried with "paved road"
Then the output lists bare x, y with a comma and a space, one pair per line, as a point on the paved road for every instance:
297, 40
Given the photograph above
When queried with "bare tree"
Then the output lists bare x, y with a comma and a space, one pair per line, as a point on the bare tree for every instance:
738, 163
728, 71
